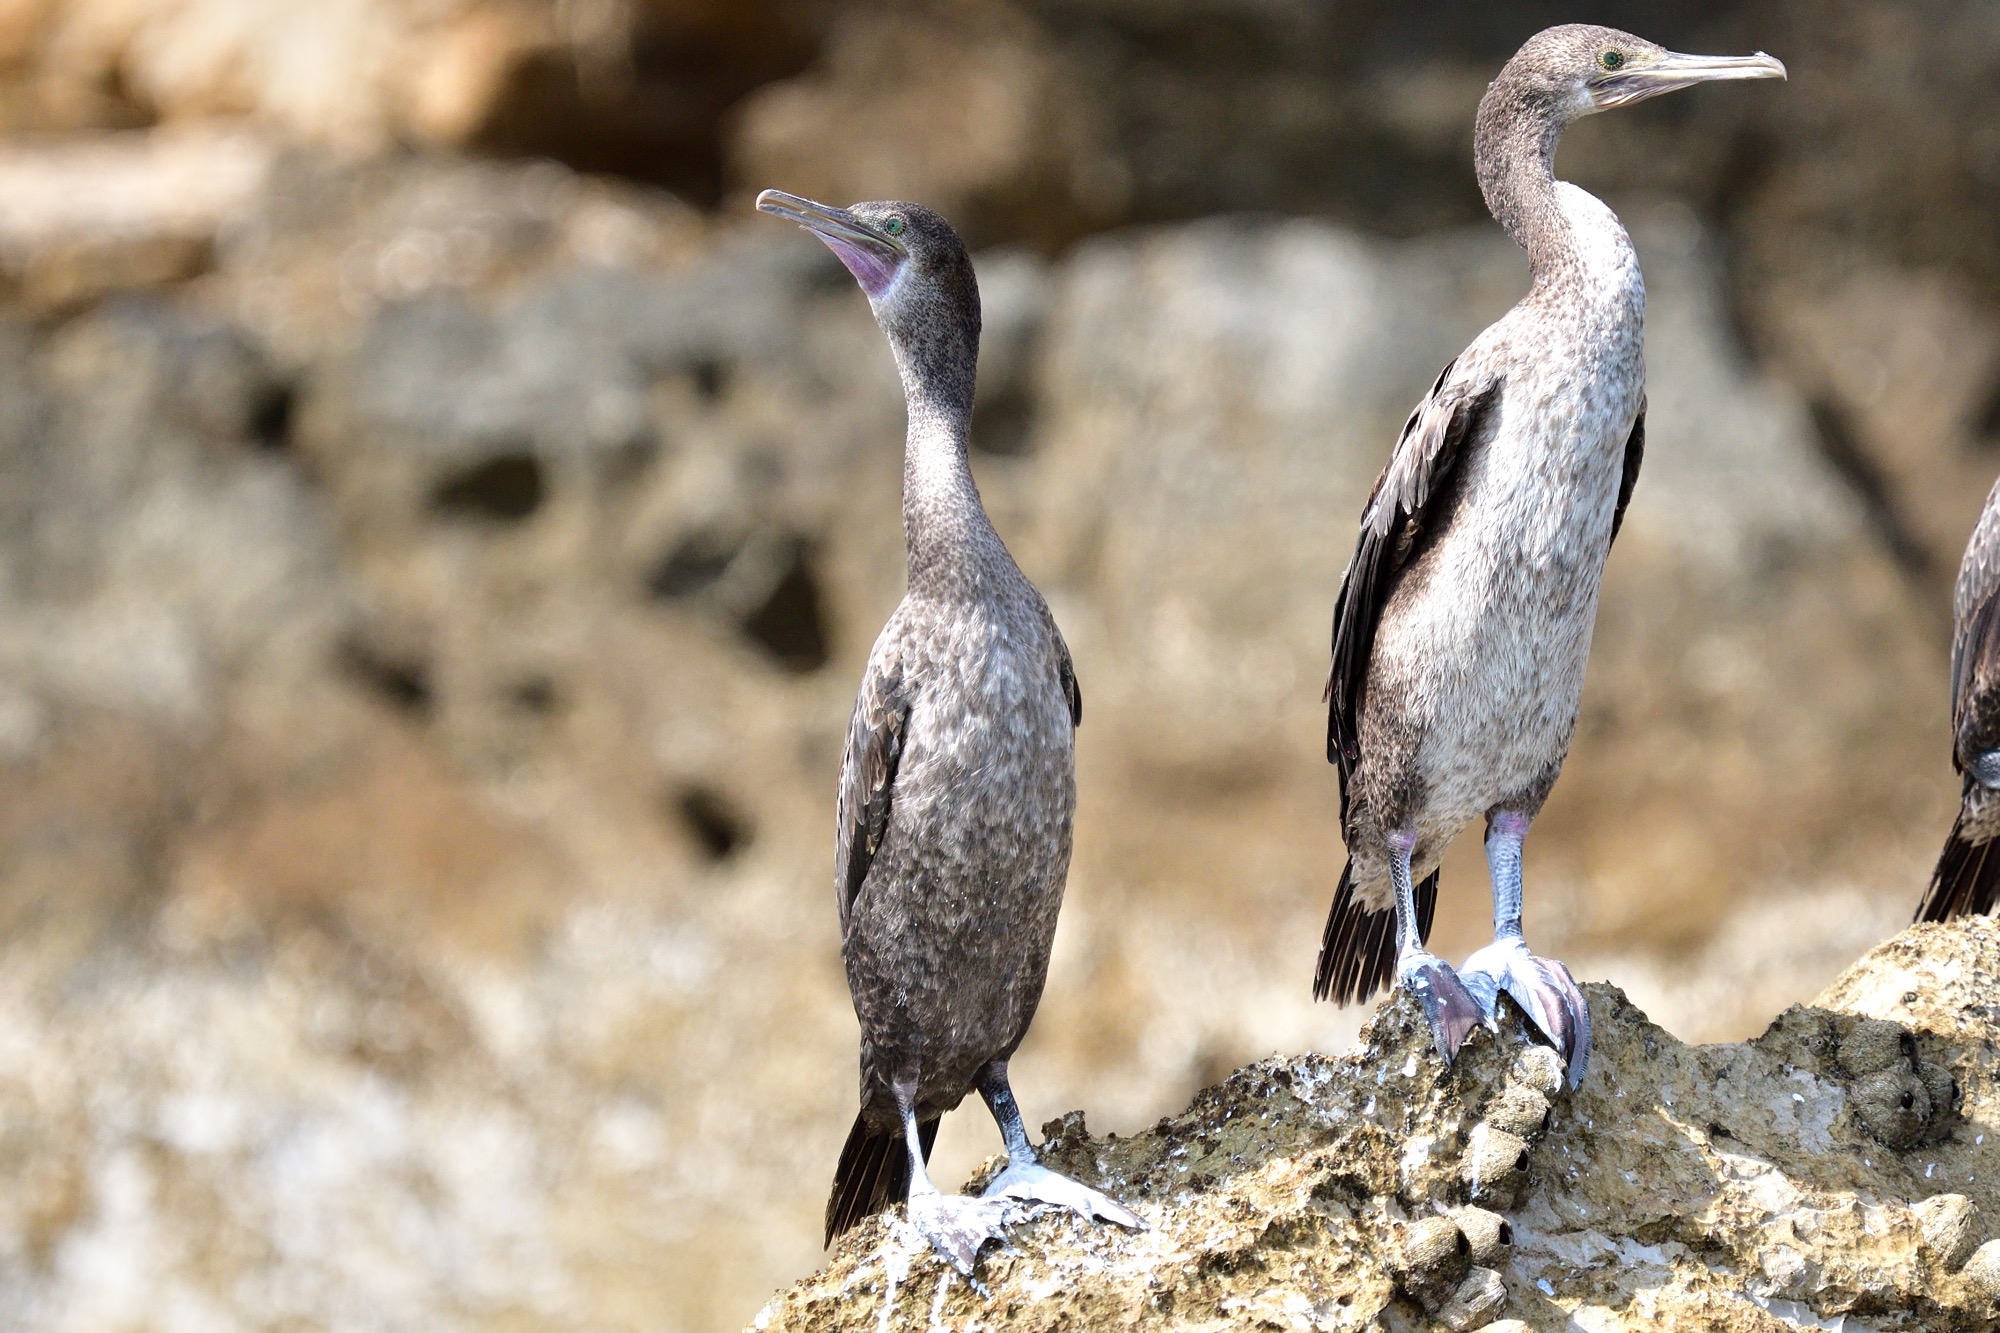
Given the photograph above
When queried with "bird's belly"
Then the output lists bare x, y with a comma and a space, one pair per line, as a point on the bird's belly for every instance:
948, 944
1486, 663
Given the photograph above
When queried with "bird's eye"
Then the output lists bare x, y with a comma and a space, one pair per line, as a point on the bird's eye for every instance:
1612, 60
894, 226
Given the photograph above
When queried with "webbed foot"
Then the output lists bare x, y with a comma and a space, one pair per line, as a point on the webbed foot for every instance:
958, 1226
1036, 1183
1451, 1009
1544, 989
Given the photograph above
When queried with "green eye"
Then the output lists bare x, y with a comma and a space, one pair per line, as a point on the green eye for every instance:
894, 226
1612, 60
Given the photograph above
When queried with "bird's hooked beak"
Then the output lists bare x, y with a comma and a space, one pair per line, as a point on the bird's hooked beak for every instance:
870, 254
1649, 76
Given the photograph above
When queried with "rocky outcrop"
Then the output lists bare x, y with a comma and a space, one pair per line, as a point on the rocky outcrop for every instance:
1833, 1172
426, 632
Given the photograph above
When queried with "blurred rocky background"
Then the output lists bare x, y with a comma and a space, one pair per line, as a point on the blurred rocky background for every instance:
444, 525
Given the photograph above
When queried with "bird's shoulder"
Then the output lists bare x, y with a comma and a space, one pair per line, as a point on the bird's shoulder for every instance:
1442, 423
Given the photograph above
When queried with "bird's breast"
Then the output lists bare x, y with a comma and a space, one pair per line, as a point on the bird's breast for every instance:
989, 714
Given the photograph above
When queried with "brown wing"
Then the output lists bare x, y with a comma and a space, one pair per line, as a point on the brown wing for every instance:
1635, 454
1975, 642
1406, 507
1071, 690
1967, 878
868, 778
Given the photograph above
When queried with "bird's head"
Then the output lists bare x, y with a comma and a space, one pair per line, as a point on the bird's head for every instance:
1580, 68
916, 273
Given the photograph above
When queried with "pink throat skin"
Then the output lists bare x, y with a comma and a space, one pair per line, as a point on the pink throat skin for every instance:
873, 273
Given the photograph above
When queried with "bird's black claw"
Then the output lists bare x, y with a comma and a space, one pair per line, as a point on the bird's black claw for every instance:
1448, 1005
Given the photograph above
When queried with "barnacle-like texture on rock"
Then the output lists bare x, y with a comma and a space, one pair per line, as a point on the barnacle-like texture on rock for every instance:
1747, 1186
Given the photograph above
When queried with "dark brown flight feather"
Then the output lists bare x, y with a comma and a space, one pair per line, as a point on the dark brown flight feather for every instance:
868, 778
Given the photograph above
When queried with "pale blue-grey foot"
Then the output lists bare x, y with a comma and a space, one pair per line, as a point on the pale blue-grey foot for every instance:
1449, 1008
956, 1225
1025, 1178
1543, 987
1449, 1005
959, 1226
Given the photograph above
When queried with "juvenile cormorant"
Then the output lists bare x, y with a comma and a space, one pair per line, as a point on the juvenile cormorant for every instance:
958, 784
1465, 614
1967, 879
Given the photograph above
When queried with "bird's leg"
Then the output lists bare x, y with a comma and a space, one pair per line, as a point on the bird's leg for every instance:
1452, 1011
957, 1226
1025, 1177
1543, 988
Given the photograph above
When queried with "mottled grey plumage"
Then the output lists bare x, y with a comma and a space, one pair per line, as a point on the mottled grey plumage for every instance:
1464, 619
957, 788
1967, 879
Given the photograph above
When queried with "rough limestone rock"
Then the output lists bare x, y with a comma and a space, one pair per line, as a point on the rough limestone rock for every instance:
1744, 1186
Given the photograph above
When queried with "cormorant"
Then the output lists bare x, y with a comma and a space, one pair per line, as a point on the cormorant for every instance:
1464, 618
958, 785
1967, 878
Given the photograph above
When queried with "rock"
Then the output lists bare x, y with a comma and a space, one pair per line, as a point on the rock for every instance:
1496, 1164
1521, 1111
1713, 1186
1431, 1259
1870, 1047
1895, 1106
1480, 1296
1950, 1225
1982, 1272
1487, 1235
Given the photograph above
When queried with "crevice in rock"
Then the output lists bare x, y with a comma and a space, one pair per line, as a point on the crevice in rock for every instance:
401, 681
790, 623
504, 489
711, 378
535, 695
715, 824
768, 585
695, 565
271, 417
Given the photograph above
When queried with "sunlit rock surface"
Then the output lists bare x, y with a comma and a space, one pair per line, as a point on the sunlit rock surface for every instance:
1833, 1172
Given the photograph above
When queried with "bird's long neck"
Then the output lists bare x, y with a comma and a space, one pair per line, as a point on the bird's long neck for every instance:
1514, 152
950, 542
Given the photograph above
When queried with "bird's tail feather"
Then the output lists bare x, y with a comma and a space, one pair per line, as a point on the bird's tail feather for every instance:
1357, 954
874, 1173
1967, 879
